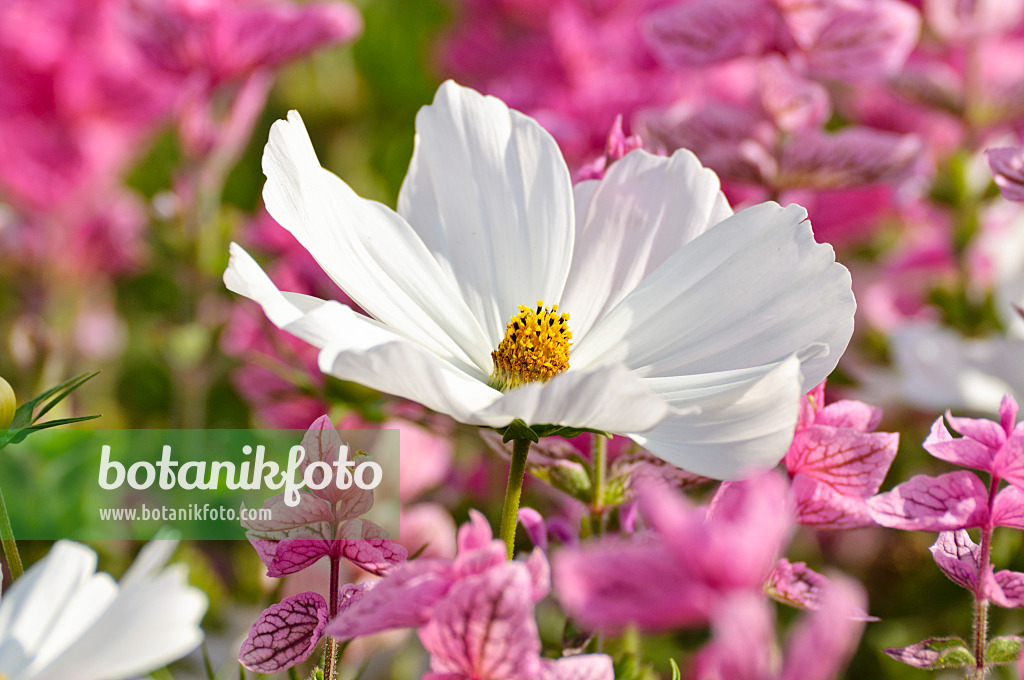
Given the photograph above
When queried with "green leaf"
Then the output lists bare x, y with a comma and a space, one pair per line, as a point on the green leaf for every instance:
25, 415
15, 437
629, 667
1003, 649
676, 675
935, 654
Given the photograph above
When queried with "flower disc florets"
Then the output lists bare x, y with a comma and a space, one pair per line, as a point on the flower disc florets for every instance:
535, 347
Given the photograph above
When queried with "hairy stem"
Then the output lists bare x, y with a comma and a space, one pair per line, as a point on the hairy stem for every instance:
331, 653
980, 601
10, 548
510, 511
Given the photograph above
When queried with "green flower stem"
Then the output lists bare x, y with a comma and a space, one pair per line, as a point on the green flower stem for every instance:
7, 542
510, 512
599, 461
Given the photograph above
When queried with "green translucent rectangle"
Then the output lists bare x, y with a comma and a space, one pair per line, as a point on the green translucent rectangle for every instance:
53, 488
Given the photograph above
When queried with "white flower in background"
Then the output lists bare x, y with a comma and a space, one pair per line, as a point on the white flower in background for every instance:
63, 620
692, 329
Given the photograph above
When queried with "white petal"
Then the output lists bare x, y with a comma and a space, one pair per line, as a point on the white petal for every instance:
727, 425
35, 602
643, 210
940, 369
318, 322
750, 291
150, 624
610, 398
490, 195
369, 251
405, 370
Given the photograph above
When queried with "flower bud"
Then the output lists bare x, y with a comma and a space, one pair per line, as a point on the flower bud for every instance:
8, 404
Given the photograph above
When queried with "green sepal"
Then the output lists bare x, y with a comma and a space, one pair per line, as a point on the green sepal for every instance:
1003, 649
517, 429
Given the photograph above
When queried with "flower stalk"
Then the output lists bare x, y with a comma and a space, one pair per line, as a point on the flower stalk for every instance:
514, 489
980, 624
331, 652
10, 548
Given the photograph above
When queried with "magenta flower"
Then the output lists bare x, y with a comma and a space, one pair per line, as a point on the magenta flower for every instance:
960, 500
1007, 165
475, 612
819, 645
484, 628
326, 522
844, 41
837, 462
690, 561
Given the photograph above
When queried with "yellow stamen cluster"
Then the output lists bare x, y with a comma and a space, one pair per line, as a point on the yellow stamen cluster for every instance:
535, 347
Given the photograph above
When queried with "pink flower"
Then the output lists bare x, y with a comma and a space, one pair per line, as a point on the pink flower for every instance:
1007, 165
693, 557
837, 462
326, 523
474, 612
819, 645
484, 628
960, 500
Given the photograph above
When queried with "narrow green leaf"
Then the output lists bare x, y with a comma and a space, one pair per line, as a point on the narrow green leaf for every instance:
676, 675
210, 675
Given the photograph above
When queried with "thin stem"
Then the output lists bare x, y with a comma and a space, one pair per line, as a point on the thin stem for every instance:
331, 653
980, 601
510, 511
7, 541
599, 460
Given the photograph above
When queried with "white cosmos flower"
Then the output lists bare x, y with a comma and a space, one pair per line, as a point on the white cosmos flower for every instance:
61, 619
694, 330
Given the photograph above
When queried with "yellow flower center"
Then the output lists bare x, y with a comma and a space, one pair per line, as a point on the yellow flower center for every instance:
535, 347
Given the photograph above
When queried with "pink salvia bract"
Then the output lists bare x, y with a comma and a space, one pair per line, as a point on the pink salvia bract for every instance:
690, 559
1007, 166
955, 500
325, 523
407, 595
285, 634
837, 462
959, 558
817, 647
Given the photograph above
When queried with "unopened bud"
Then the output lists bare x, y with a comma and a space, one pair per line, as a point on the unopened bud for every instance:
8, 404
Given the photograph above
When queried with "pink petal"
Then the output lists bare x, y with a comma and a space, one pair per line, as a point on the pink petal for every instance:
793, 102
810, 405
402, 599
610, 584
290, 556
818, 504
849, 413
959, 558
285, 634
854, 156
323, 444
1009, 460
484, 628
1006, 589
742, 634
821, 644
1008, 509
535, 527
864, 42
582, 667
795, 584
957, 500
474, 534
1008, 413
854, 463
708, 31
540, 574
985, 432
963, 451
1007, 166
